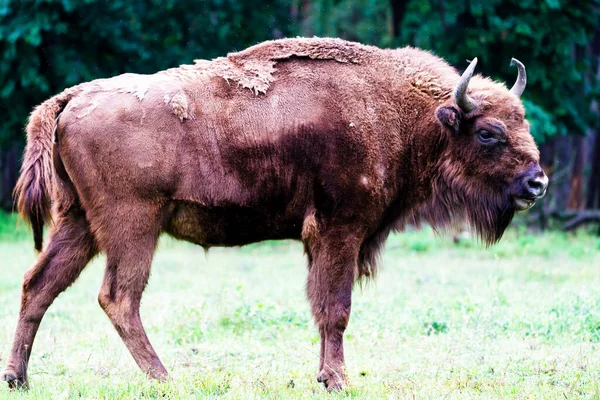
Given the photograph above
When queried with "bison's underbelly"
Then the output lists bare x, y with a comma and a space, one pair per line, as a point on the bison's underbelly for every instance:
231, 225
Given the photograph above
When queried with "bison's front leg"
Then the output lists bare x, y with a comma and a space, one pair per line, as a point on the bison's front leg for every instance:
332, 268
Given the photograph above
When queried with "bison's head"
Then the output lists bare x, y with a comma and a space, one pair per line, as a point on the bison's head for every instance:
490, 164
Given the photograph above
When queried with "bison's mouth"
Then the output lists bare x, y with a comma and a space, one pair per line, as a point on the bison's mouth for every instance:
522, 203
525, 203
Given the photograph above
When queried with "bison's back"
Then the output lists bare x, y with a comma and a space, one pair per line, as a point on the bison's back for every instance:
315, 139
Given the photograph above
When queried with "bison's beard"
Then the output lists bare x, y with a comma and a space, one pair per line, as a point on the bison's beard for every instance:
487, 213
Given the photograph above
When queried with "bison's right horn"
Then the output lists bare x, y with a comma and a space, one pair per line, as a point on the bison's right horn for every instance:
466, 103
521, 82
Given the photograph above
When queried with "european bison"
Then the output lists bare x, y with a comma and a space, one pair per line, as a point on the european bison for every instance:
321, 140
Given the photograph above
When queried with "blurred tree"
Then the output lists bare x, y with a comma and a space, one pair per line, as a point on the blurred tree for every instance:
593, 188
398, 11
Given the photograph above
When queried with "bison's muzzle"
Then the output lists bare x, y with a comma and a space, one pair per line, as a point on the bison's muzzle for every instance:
530, 187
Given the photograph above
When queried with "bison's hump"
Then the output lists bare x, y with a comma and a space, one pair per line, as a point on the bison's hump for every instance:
315, 48
253, 68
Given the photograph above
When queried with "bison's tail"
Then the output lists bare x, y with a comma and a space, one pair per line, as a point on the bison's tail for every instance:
34, 186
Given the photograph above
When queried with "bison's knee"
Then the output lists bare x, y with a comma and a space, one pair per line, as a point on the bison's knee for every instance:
119, 310
33, 275
29, 279
339, 317
332, 316
104, 300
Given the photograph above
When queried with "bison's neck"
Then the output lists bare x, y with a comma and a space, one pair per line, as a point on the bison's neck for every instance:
419, 145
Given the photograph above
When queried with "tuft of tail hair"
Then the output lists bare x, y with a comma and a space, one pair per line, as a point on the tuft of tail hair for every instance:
35, 184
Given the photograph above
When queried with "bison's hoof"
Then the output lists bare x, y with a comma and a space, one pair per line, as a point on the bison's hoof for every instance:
13, 379
332, 380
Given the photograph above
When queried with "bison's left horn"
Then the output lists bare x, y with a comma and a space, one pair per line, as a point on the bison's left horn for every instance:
466, 103
521, 82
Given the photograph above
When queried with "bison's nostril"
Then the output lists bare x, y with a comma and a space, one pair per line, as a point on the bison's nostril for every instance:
536, 185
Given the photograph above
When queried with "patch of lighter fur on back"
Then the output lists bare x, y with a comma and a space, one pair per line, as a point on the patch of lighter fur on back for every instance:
179, 104
134, 84
85, 103
137, 85
87, 109
256, 75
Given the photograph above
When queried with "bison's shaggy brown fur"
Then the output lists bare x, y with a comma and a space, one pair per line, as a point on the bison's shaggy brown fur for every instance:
321, 140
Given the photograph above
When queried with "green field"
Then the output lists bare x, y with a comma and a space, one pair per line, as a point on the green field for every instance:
519, 320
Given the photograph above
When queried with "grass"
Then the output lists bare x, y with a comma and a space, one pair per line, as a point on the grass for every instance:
518, 320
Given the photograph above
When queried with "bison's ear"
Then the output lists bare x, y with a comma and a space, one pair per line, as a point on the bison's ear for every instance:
449, 116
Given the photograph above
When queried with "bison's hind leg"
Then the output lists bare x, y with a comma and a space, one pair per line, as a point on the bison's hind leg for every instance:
131, 238
70, 249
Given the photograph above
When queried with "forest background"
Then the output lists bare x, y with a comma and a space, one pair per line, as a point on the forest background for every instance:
46, 46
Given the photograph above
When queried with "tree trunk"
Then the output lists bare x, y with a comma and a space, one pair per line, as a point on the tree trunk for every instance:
547, 156
593, 189
307, 25
576, 191
398, 11
561, 181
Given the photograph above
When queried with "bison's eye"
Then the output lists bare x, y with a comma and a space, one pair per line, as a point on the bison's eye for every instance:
485, 137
